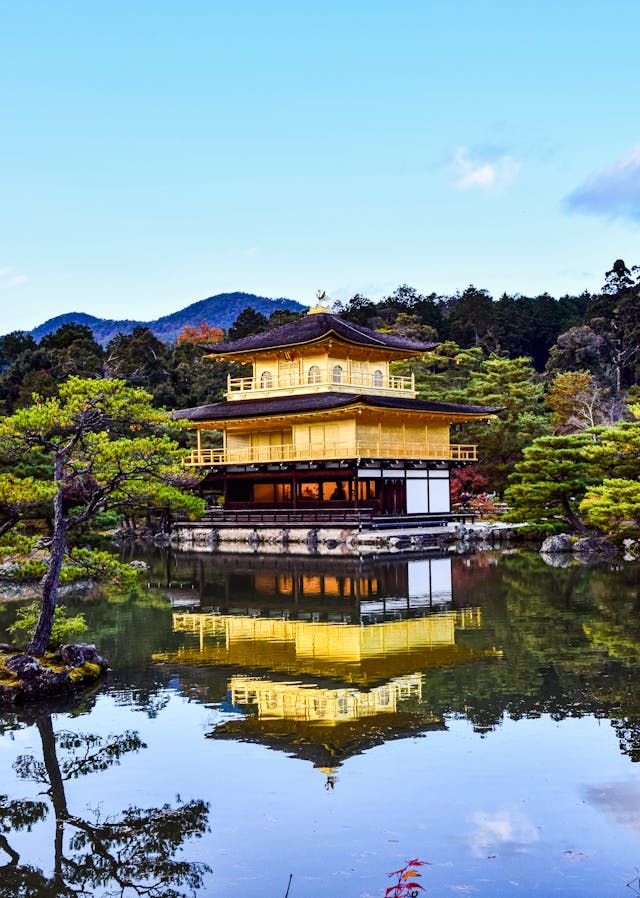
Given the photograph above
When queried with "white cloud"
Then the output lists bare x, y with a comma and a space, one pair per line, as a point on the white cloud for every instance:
483, 170
16, 280
612, 192
620, 801
8, 279
507, 831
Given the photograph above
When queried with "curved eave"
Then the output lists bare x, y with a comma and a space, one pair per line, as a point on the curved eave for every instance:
214, 415
397, 352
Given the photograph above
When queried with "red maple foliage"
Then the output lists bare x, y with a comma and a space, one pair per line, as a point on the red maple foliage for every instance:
469, 481
406, 885
204, 333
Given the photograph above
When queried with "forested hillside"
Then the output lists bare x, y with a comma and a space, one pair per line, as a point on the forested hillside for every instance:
217, 311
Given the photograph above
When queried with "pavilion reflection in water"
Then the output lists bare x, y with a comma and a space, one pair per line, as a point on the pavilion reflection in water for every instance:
323, 685
338, 588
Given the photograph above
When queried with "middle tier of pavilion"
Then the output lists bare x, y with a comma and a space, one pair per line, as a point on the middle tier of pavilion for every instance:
329, 425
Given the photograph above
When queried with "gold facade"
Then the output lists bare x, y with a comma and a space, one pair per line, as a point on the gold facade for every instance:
357, 432
317, 704
351, 652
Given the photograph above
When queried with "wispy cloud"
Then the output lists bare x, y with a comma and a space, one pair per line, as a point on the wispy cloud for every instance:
8, 278
16, 280
613, 192
508, 831
620, 801
488, 170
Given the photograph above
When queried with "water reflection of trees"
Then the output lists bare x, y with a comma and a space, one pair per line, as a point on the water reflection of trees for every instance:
570, 639
130, 854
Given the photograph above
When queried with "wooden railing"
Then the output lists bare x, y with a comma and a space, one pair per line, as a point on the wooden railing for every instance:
320, 381
328, 451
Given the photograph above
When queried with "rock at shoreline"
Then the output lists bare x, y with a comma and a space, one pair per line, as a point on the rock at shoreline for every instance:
588, 548
559, 543
594, 548
25, 667
25, 678
79, 653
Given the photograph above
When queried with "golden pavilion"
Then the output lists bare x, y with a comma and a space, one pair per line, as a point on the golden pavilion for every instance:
322, 424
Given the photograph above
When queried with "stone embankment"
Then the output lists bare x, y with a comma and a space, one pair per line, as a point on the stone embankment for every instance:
24, 678
343, 541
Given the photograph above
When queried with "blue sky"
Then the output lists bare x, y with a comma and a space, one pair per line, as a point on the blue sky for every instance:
154, 153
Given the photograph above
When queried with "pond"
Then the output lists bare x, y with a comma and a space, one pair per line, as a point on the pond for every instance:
303, 726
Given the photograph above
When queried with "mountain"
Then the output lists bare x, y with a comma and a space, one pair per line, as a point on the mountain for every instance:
218, 311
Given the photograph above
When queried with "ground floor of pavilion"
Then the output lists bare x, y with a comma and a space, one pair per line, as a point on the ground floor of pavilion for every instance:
392, 487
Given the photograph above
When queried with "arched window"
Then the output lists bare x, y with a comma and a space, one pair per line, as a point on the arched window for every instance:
266, 380
378, 378
314, 375
336, 374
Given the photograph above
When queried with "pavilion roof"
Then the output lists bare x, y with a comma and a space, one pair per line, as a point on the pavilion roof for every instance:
310, 402
328, 745
314, 328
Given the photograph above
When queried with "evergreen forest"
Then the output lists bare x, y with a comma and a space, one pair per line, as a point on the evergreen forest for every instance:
566, 372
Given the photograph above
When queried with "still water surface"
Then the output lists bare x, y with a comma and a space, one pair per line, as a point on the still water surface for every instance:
314, 724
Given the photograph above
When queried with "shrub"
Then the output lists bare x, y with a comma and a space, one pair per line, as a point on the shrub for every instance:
65, 628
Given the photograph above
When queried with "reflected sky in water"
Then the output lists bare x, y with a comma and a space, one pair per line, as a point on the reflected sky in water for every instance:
333, 721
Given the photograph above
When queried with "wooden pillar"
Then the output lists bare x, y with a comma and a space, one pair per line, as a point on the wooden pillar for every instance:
199, 444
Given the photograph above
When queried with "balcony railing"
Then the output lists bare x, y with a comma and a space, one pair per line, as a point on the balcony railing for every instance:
331, 451
321, 381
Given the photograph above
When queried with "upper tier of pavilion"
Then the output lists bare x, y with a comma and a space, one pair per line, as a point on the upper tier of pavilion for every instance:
319, 353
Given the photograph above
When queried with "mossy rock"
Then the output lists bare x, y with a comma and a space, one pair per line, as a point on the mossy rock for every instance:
49, 676
7, 677
86, 671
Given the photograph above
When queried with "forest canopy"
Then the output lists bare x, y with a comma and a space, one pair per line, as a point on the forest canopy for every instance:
559, 367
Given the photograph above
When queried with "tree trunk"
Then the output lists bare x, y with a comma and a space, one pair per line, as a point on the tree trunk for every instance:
15, 857
51, 579
570, 516
56, 791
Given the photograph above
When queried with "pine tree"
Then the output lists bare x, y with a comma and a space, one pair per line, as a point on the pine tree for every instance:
108, 448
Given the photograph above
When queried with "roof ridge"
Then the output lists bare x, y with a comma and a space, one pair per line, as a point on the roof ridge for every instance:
369, 332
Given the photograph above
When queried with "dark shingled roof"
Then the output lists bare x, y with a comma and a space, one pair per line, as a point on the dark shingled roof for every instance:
316, 402
311, 329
